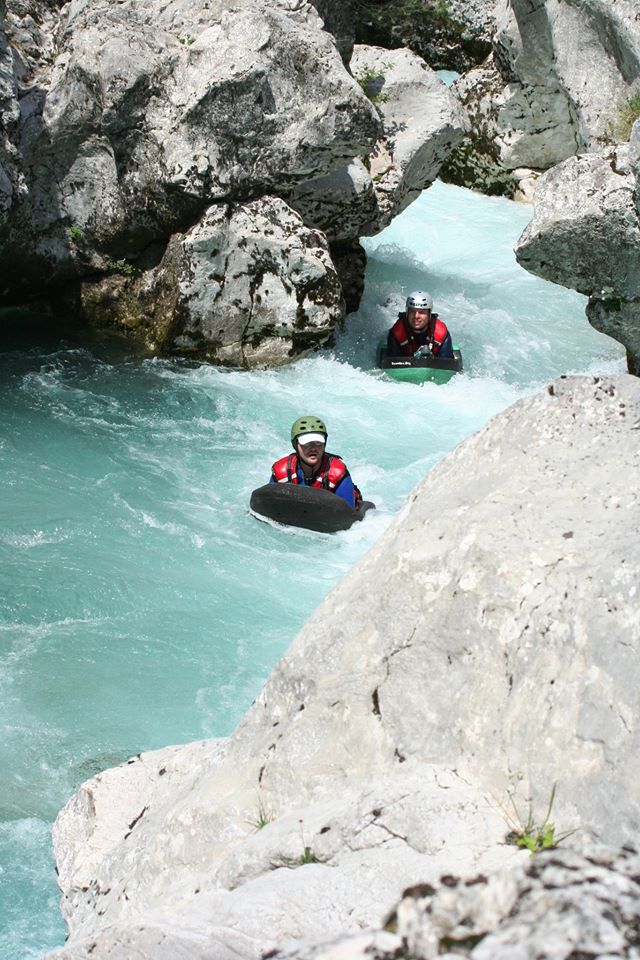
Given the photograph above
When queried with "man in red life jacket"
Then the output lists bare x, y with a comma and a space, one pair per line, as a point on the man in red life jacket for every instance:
311, 466
419, 330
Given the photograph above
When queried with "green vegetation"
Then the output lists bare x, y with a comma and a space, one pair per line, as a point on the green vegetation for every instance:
122, 266
372, 82
531, 835
308, 856
628, 113
75, 233
187, 41
262, 817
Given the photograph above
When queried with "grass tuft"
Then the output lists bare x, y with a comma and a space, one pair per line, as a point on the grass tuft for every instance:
628, 113
533, 835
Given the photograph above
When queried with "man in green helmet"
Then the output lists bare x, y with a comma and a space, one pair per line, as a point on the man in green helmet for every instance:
311, 465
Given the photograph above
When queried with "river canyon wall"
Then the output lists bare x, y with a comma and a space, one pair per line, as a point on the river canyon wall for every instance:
484, 650
199, 175
559, 94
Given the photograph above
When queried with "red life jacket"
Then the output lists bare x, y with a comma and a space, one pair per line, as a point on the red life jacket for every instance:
436, 333
332, 471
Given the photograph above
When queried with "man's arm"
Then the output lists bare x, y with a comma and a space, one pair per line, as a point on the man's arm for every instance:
345, 490
393, 347
446, 350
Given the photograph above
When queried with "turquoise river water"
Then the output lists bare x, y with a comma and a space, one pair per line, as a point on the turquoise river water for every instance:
140, 603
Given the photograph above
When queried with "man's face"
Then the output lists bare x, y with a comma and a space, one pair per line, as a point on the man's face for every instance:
418, 319
311, 453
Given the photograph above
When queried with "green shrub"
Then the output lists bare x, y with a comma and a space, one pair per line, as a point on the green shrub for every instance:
122, 266
75, 233
262, 816
372, 82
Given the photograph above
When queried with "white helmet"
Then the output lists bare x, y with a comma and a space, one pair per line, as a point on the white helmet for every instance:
420, 300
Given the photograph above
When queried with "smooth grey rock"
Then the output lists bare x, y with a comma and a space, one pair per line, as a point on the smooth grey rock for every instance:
619, 320
343, 204
483, 650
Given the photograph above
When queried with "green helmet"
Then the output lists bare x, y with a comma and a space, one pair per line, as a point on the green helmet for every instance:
307, 424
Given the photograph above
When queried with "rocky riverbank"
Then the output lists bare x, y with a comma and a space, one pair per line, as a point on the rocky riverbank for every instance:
484, 650
198, 176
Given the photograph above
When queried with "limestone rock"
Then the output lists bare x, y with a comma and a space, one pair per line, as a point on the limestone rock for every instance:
9, 113
620, 320
195, 106
148, 115
26, 43
422, 122
343, 204
248, 286
478, 16
483, 650
559, 73
585, 234
561, 905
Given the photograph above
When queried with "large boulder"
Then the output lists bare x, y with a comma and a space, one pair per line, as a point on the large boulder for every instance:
156, 111
485, 649
248, 286
141, 118
585, 234
422, 122
559, 74
563, 905
125, 123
